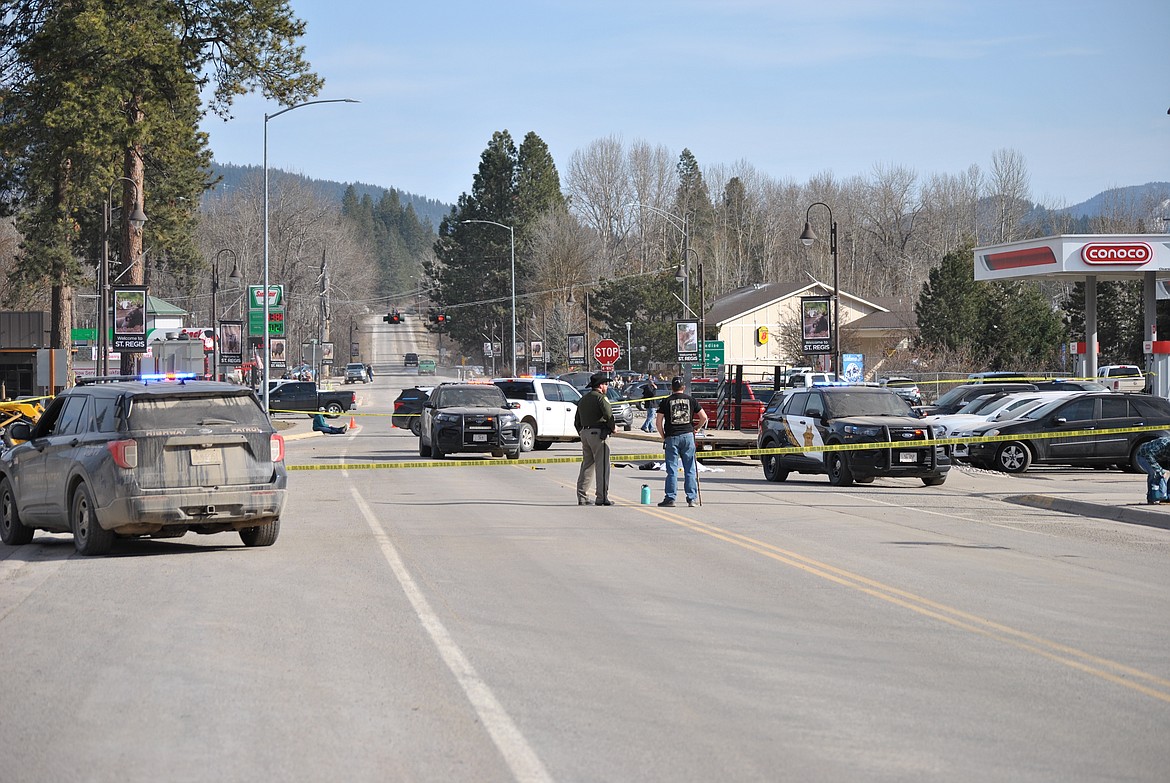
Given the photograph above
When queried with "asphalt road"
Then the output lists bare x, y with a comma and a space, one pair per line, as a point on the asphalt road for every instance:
471, 622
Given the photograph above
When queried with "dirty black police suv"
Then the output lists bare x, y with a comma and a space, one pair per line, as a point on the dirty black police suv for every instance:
146, 457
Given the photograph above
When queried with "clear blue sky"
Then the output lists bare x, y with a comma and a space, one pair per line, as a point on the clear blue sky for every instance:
1079, 88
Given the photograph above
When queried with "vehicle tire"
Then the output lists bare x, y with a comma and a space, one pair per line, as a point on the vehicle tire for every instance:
512, 455
934, 481
629, 426
772, 467
12, 532
527, 436
89, 537
261, 535
837, 465
864, 480
333, 410
1013, 457
415, 427
1132, 466
436, 452
423, 449
542, 445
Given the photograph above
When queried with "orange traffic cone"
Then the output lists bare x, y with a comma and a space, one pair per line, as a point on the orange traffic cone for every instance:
352, 422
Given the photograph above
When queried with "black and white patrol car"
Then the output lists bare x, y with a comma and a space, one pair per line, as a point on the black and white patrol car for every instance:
831, 415
468, 417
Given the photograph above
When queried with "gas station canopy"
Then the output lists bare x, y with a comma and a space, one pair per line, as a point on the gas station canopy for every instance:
1090, 258
1104, 256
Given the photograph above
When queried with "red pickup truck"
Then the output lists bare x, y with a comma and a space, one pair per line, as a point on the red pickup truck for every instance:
718, 399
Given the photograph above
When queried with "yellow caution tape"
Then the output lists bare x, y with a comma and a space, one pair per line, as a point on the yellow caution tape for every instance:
754, 452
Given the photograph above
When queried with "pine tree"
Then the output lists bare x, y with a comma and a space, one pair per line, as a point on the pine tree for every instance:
472, 270
949, 307
94, 90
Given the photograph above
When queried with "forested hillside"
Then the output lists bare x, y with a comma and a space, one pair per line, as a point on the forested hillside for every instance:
428, 209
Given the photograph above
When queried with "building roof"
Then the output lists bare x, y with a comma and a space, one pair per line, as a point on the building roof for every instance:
744, 300
156, 307
752, 297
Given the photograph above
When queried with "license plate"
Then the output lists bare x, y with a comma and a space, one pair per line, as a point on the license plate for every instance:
211, 456
907, 456
477, 438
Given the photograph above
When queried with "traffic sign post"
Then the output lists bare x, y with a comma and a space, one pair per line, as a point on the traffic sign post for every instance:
607, 352
713, 355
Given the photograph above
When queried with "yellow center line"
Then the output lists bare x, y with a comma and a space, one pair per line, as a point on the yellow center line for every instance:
1103, 668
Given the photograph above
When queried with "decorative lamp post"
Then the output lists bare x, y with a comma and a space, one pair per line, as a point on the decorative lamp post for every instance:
137, 219
807, 237
512, 238
264, 295
235, 276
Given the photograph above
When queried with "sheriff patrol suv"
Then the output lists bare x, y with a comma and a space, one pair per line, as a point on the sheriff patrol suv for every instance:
469, 417
831, 415
144, 457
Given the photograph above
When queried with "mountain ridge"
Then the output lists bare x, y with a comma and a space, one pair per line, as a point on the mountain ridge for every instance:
434, 211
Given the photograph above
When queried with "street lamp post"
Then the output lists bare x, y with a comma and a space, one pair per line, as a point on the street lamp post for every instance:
702, 313
683, 225
137, 218
629, 353
236, 276
264, 295
512, 238
807, 237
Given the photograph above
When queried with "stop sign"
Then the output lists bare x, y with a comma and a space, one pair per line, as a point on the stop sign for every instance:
607, 352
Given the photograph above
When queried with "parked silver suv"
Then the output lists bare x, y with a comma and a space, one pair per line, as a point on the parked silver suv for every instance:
146, 457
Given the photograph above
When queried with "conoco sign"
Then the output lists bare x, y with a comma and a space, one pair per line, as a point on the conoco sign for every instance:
1131, 253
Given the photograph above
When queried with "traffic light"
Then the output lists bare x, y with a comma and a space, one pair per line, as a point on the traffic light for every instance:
392, 317
433, 315
441, 318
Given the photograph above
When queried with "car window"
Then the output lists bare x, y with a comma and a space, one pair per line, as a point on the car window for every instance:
795, 405
774, 404
105, 413
868, 404
1077, 410
515, 390
1114, 408
73, 418
483, 397
975, 404
149, 413
1157, 407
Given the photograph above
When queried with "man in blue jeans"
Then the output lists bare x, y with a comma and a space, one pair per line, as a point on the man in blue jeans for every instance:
1154, 458
649, 392
677, 416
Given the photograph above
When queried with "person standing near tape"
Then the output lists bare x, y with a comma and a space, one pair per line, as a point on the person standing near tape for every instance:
594, 422
649, 392
676, 419
1152, 456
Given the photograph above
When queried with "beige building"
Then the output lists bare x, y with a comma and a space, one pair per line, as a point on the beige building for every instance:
875, 329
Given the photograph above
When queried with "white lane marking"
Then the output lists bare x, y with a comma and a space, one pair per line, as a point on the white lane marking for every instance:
517, 753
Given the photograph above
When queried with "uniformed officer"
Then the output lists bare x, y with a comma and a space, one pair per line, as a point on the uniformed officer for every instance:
594, 422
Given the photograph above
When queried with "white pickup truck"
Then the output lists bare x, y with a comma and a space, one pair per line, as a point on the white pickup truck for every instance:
1122, 377
547, 408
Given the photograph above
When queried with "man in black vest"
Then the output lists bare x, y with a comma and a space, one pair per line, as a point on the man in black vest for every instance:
676, 424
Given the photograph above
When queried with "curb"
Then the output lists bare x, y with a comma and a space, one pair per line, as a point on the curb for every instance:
1128, 514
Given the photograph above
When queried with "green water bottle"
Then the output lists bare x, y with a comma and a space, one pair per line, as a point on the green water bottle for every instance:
645, 494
